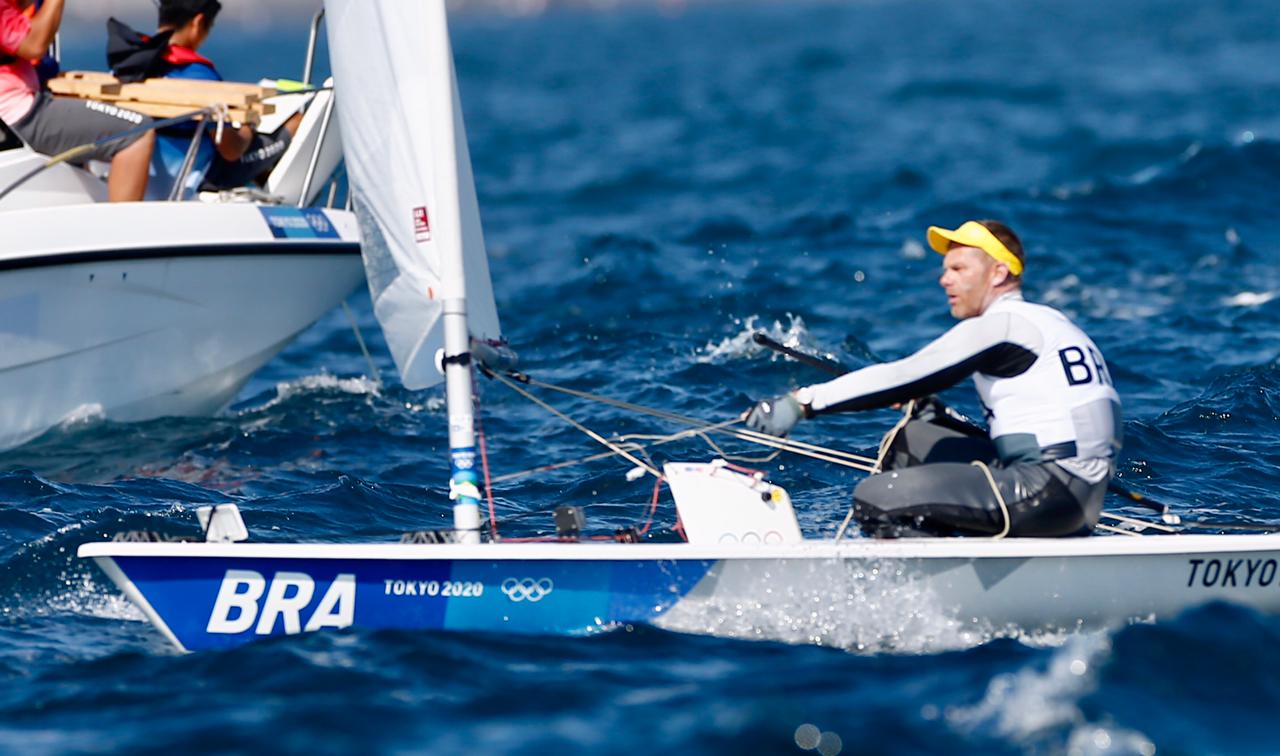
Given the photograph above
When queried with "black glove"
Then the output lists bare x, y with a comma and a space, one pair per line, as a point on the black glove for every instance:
776, 416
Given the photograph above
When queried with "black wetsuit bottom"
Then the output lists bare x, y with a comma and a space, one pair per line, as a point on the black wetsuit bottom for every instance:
930, 487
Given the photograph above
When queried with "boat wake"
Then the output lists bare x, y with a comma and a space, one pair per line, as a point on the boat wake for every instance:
872, 608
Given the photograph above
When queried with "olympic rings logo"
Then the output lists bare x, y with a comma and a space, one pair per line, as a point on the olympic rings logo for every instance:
527, 589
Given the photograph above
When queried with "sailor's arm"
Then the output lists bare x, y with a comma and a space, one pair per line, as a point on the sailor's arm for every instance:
999, 344
234, 142
44, 27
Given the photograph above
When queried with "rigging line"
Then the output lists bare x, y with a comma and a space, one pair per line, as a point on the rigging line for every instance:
1120, 531
775, 443
822, 454
1140, 523
741, 434
701, 433
592, 434
844, 526
560, 465
626, 442
484, 464
736, 457
368, 358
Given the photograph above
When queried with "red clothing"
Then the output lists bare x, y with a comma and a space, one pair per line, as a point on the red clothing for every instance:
18, 80
181, 56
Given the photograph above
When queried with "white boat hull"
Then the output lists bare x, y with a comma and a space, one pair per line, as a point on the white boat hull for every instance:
132, 312
904, 595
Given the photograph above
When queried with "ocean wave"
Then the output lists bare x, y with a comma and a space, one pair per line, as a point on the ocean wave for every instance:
1219, 173
324, 383
1027, 705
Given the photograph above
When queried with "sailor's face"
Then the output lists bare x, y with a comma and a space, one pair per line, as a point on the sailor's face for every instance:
967, 277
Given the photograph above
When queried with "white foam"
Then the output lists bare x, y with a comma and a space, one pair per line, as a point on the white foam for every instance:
741, 345
869, 608
84, 597
1028, 705
322, 382
85, 414
1251, 298
912, 249
1022, 704
1141, 300
1088, 740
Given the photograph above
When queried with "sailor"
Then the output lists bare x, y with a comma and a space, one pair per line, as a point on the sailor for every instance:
1053, 413
53, 125
227, 158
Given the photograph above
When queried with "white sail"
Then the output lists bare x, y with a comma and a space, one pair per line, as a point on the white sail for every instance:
406, 155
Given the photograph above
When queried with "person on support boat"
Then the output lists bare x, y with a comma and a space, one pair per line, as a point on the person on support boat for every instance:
1054, 414
52, 125
234, 157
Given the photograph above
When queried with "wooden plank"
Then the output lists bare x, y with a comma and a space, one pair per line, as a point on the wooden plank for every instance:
126, 93
81, 87
160, 99
198, 85
173, 97
225, 88
161, 110
88, 76
198, 96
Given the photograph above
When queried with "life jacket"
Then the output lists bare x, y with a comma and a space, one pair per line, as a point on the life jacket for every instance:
134, 56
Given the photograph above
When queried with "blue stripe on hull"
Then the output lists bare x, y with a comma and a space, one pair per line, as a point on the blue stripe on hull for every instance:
217, 602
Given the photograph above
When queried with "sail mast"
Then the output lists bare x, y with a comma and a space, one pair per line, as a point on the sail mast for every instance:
405, 148
459, 398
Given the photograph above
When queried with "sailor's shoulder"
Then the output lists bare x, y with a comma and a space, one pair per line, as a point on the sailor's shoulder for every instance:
1019, 306
196, 71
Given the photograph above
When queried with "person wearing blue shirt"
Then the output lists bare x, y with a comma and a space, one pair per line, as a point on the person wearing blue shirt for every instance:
235, 156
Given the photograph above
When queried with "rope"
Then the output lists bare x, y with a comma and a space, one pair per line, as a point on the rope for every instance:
1120, 531
653, 508
845, 525
835, 456
590, 433
824, 454
892, 435
488, 484
1138, 523
1008, 522
368, 358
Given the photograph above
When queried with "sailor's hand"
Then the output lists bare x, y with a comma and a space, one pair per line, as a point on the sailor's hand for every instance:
776, 416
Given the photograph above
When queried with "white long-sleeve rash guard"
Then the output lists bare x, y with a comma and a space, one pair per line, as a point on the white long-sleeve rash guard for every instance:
1042, 381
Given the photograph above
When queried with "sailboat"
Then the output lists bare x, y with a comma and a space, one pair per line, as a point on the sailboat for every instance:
745, 568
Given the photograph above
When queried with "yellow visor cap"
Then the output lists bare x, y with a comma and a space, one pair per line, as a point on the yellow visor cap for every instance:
974, 234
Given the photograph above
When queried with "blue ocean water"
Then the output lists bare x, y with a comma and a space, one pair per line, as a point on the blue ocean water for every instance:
655, 184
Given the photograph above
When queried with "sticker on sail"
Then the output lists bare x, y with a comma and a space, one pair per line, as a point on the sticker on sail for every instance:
421, 225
